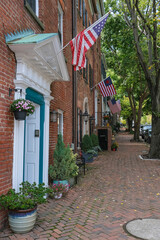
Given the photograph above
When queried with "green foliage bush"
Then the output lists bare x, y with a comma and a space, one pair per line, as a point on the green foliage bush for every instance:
86, 143
28, 197
64, 162
95, 141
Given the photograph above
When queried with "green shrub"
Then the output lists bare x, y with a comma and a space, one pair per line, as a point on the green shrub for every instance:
86, 143
28, 197
95, 141
64, 162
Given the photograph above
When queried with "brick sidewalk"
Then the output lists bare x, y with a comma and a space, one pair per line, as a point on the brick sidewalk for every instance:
118, 187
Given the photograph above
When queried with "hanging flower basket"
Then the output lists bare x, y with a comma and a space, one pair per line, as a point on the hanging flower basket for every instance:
22, 108
20, 115
106, 117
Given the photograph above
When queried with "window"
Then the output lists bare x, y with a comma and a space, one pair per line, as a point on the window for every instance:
34, 6
84, 11
60, 122
96, 107
77, 3
86, 19
60, 24
80, 8
85, 72
90, 76
78, 127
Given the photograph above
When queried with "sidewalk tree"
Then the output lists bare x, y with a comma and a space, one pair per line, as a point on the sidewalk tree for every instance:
126, 112
121, 57
143, 17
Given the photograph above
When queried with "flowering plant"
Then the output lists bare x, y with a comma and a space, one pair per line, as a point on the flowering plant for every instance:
114, 145
106, 117
59, 188
22, 105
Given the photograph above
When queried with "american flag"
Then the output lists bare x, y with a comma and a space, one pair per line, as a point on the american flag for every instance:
106, 87
118, 105
84, 41
114, 105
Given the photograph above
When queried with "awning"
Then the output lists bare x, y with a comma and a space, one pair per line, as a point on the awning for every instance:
42, 51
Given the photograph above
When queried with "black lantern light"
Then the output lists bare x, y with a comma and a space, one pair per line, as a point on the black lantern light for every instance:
53, 116
86, 116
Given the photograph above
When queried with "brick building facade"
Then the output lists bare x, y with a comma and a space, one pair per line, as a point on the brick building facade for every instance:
31, 63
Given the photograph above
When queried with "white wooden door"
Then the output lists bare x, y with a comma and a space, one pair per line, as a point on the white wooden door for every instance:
32, 137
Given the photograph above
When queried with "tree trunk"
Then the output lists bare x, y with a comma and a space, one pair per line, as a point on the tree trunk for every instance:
154, 151
129, 123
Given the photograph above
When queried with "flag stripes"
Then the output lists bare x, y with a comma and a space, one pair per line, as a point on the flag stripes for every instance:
84, 41
106, 87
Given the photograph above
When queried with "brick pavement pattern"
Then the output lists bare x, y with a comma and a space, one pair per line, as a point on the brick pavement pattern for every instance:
118, 187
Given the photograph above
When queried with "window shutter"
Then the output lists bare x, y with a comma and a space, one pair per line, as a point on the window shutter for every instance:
77, 3
86, 70
80, 7
86, 18
90, 76
84, 13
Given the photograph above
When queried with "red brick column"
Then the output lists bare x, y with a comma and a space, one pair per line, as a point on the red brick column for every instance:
109, 138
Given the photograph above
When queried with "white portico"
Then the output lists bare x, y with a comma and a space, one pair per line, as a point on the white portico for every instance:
38, 65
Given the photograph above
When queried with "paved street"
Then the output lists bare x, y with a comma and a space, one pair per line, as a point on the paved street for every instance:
118, 187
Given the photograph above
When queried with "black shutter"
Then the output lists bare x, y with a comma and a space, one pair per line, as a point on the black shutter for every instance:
90, 76
84, 11
86, 70
86, 18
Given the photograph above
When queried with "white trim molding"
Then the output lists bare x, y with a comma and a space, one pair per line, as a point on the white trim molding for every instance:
38, 65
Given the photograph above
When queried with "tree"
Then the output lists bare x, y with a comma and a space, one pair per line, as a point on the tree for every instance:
143, 17
126, 112
121, 56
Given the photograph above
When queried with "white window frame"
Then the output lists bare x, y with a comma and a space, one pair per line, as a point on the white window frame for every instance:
61, 23
37, 8
96, 107
60, 121
36, 12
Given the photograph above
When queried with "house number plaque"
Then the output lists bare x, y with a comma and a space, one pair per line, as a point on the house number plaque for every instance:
36, 132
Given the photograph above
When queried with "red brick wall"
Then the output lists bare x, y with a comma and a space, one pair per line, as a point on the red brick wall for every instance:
62, 91
94, 58
15, 17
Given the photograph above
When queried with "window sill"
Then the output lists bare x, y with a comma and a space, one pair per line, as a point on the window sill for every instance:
27, 6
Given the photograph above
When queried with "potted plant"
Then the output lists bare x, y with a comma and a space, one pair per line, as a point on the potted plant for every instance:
114, 146
95, 144
87, 150
22, 108
58, 190
22, 205
106, 117
64, 163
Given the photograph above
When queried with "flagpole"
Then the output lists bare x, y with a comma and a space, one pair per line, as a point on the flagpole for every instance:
94, 86
63, 48
98, 83
92, 25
